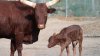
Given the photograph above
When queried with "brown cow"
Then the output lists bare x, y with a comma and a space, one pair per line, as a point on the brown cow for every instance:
22, 23
67, 35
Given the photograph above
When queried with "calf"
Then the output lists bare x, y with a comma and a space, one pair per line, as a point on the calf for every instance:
67, 35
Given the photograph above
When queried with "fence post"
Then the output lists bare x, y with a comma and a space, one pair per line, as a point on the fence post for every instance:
66, 8
93, 5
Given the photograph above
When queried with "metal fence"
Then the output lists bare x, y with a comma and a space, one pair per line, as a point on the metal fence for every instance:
84, 7
88, 8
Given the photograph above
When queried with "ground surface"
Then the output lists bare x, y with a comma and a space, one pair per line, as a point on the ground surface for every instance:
91, 45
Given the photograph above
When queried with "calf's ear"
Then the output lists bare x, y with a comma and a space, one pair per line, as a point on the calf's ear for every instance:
51, 10
54, 34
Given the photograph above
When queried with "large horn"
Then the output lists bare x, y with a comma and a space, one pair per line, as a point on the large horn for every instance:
32, 4
51, 3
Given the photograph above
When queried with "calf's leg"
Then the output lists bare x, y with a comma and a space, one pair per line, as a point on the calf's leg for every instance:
62, 49
74, 43
68, 51
80, 48
63, 46
80, 44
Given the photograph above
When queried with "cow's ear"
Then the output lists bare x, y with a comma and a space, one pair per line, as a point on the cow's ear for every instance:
51, 10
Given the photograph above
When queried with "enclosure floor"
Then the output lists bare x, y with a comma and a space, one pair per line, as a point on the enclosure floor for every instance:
91, 46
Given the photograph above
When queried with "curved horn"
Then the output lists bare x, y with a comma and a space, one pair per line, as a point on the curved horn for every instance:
32, 4
51, 3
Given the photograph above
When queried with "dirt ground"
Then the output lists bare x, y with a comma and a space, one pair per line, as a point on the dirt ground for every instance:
91, 45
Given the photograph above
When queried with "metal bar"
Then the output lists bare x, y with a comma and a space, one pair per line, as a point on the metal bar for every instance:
66, 8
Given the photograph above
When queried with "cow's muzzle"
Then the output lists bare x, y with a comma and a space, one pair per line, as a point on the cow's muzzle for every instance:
41, 26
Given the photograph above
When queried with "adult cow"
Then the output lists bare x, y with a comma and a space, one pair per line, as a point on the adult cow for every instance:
21, 22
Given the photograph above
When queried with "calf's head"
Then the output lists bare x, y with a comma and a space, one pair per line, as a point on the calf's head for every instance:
53, 40
41, 11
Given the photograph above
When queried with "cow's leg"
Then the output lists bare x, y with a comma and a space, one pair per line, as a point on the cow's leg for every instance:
68, 51
19, 35
19, 39
19, 48
74, 43
13, 47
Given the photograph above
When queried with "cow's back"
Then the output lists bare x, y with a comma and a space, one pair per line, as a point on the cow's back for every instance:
6, 8
10, 18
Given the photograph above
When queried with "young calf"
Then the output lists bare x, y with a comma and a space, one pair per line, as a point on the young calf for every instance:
72, 34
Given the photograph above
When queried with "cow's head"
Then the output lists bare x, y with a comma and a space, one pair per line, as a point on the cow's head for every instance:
41, 11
